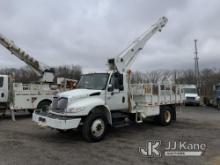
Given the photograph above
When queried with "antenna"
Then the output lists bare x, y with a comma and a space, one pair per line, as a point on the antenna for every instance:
197, 74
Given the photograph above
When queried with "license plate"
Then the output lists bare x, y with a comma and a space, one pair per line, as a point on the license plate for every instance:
42, 122
42, 119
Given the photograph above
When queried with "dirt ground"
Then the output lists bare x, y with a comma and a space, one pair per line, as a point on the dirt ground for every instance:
24, 143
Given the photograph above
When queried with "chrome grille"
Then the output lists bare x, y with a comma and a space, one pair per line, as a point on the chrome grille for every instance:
59, 104
190, 98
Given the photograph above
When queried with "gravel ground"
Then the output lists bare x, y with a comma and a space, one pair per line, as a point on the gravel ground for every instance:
24, 143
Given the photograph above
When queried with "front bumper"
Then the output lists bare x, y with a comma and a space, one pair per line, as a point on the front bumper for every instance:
191, 101
44, 119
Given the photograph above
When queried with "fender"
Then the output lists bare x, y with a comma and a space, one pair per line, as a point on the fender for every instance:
84, 107
103, 109
38, 101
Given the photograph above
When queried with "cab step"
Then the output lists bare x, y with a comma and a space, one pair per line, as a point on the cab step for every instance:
120, 119
120, 124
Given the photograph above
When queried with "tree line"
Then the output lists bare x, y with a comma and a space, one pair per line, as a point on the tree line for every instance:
208, 78
27, 75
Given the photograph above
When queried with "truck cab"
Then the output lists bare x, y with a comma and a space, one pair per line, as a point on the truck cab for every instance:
96, 93
215, 101
104, 89
4, 85
191, 95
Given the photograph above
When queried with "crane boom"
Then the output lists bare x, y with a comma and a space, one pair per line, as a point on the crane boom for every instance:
126, 58
44, 71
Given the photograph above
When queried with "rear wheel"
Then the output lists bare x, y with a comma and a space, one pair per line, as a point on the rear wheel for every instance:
44, 105
165, 117
94, 127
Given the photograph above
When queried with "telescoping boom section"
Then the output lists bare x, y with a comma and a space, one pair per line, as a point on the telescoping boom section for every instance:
125, 59
44, 71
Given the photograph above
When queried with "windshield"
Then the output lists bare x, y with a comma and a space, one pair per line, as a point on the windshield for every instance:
217, 87
218, 93
190, 90
96, 81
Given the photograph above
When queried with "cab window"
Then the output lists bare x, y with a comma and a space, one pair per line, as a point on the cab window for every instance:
1, 82
117, 81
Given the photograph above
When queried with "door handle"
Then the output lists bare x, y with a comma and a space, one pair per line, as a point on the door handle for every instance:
2, 95
123, 99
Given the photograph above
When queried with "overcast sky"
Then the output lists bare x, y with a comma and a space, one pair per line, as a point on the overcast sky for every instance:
87, 33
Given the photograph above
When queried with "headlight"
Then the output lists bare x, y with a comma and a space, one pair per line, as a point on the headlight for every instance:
197, 98
75, 109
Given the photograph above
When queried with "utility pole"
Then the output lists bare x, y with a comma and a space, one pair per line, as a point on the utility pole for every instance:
197, 75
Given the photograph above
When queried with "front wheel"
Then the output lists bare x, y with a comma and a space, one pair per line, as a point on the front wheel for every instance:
94, 127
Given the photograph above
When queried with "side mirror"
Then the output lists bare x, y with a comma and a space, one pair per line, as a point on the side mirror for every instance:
110, 88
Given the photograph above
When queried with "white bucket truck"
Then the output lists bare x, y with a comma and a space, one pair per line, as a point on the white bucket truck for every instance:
109, 99
18, 96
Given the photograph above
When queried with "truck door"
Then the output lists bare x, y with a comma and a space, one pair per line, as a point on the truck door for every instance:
3, 89
116, 97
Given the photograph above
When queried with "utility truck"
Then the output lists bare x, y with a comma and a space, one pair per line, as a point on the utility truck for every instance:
191, 95
109, 99
18, 96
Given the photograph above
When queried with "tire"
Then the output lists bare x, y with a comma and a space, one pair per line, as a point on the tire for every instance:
30, 111
94, 127
165, 117
63, 131
44, 105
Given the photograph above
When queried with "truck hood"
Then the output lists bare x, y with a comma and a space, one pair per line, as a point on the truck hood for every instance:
79, 93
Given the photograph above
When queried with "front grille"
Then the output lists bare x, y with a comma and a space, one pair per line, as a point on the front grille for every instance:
190, 98
59, 104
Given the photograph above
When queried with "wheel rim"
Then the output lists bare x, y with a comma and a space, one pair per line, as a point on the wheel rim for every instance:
167, 116
98, 127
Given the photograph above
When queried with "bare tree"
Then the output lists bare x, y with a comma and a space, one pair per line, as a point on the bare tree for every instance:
26, 75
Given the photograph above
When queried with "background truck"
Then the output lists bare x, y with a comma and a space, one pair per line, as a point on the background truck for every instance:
18, 96
214, 98
191, 95
109, 99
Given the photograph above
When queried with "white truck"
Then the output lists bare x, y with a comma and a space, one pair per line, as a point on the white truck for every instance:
191, 95
109, 99
18, 96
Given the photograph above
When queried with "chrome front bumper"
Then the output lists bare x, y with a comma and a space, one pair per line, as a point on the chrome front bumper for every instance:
54, 121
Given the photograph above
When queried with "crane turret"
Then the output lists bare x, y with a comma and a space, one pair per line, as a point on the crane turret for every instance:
125, 59
44, 71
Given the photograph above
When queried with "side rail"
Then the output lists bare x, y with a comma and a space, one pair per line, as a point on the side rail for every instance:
156, 94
